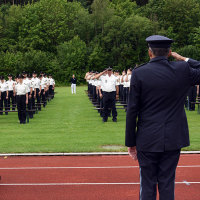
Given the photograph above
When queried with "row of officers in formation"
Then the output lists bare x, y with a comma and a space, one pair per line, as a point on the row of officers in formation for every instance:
106, 88
109, 86
27, 91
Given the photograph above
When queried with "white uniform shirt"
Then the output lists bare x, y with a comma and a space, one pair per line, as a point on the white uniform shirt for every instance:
10, 85
129, 80
3, 86
51, 81
124, 82
28, 83
43, 84
21, 89
117, 79
109, 83
36, 83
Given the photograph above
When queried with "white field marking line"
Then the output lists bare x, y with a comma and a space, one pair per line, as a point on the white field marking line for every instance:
71, 184
81, 154
109, 167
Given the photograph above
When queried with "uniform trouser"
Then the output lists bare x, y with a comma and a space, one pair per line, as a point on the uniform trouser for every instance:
43, 97
192, 97
73, 88
51, 91
11, 98
30, 104
125, 94
101, 104
33, 102
109, 102
3, 102
21, 107
120, 92
157, 168
38, 98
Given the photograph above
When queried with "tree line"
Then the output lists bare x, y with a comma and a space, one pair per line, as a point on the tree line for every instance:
64, 37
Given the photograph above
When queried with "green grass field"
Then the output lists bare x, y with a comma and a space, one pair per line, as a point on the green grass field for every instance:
70, 124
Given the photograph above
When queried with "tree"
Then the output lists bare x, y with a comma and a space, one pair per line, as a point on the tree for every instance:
72, 57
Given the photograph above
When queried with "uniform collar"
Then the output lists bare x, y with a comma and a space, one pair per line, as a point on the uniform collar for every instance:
158, 59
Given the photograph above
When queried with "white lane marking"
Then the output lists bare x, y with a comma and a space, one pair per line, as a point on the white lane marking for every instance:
187, 183
108, 167
71, 184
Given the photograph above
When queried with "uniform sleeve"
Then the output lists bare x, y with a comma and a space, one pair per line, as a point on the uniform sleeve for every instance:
194, 63
26, 89
194, 71
132, 111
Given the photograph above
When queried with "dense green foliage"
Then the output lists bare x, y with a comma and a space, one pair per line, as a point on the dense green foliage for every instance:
64, 37
69, 123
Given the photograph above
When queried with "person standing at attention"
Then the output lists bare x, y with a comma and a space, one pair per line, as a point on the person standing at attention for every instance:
73, 84
21, 90
156, 123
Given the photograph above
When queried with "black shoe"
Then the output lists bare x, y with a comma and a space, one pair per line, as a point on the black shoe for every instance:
115, 120
23, 122
105, 120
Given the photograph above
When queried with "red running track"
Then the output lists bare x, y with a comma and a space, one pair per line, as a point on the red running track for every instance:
86, 178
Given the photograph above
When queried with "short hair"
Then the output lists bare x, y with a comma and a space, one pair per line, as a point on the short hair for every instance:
160, 51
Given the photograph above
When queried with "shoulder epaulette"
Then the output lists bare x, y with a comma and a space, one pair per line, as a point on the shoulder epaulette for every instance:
141, 65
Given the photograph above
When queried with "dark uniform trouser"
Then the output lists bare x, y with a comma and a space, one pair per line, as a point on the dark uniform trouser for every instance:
38, 98
43, 97
125, 92
21, 106
157, 168
3, 101
11, 97
101, 104
30, 106
109, 102
192, 97
121, 92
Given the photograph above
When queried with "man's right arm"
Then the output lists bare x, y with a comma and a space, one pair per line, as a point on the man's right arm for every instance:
194, 68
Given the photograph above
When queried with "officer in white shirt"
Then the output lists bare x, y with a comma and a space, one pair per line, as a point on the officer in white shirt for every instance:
51, 86
127, 82
28, 82
21, 90
4, 95
111, 92
36, 85
43, 86
10, 83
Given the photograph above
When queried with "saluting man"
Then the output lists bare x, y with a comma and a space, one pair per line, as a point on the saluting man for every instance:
156, 101
21, 90
111, 92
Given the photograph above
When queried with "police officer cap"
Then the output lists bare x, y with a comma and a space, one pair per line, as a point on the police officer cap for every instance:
9, 75
158, 41
34, 72
20, 76
29, 76
2, 77
117, 71
24, 72
109, 69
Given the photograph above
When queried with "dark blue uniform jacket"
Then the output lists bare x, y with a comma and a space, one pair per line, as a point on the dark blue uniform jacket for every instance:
156, 119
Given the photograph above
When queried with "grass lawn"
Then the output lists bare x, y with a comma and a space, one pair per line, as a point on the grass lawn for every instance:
70, 124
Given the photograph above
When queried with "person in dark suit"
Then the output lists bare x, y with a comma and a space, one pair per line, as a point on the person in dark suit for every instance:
156, 123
